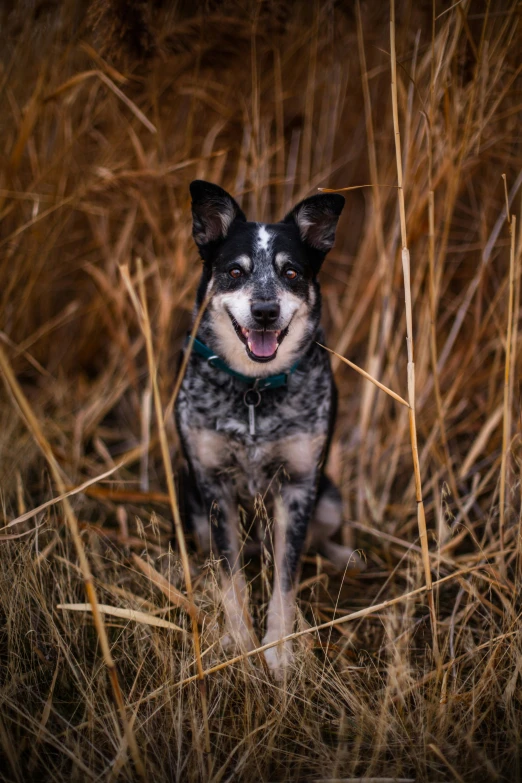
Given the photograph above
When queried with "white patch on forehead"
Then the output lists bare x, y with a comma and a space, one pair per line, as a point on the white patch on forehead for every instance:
263, 238
245, 262
281, 259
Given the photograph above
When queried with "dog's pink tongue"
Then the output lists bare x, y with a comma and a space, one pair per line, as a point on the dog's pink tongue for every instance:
262, 343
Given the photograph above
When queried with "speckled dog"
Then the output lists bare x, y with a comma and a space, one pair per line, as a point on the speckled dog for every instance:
257, 404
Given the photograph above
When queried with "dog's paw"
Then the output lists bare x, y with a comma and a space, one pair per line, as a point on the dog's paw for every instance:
237, 639
279, 659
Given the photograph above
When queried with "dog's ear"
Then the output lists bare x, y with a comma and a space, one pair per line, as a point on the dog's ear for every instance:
213, 212
316, 218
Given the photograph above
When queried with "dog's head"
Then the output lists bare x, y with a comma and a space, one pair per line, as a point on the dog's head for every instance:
264, 304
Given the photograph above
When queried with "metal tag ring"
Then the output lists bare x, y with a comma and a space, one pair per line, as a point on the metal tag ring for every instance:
256, 397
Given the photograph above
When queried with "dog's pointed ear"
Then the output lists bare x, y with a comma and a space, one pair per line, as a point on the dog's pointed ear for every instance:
213, 212
316, 218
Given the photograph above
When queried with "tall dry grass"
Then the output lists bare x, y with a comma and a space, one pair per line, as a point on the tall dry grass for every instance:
109, 111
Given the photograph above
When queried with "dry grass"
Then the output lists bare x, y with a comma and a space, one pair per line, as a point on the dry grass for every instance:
101, 132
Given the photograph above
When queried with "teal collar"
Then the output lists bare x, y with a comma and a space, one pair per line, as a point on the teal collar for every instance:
260, 384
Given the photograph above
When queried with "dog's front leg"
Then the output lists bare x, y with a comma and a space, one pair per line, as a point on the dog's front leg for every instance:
293, 508
224, 520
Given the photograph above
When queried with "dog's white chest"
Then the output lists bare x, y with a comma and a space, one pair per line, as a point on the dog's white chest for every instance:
253, 466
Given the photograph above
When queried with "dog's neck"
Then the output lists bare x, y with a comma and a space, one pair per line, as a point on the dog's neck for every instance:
219, 365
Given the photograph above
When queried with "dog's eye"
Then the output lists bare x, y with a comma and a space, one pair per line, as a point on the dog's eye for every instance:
290, 273
235, 272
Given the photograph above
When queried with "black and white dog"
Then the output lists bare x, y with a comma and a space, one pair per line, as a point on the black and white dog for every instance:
257, 404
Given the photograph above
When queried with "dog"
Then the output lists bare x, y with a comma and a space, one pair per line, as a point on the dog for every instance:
257, 403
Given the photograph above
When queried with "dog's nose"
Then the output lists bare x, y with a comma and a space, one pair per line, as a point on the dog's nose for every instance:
265, 313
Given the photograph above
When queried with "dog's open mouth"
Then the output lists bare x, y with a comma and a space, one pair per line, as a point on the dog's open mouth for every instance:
261, 344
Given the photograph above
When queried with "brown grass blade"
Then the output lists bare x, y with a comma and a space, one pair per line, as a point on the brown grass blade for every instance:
324, 626
142, 312
367, 376
127, 495
421, 518
445, 761
67, 494
168, 589
37, 433
132, 615
506, 428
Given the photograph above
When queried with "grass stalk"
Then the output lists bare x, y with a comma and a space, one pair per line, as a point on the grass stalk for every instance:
421, 517
433, 288
143, 315
63, 496
88, 186
380, 322
366, 612
186, 356
171, 593
446, 763
506, 418
367, 376
132, 615
36, 431
513, 371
